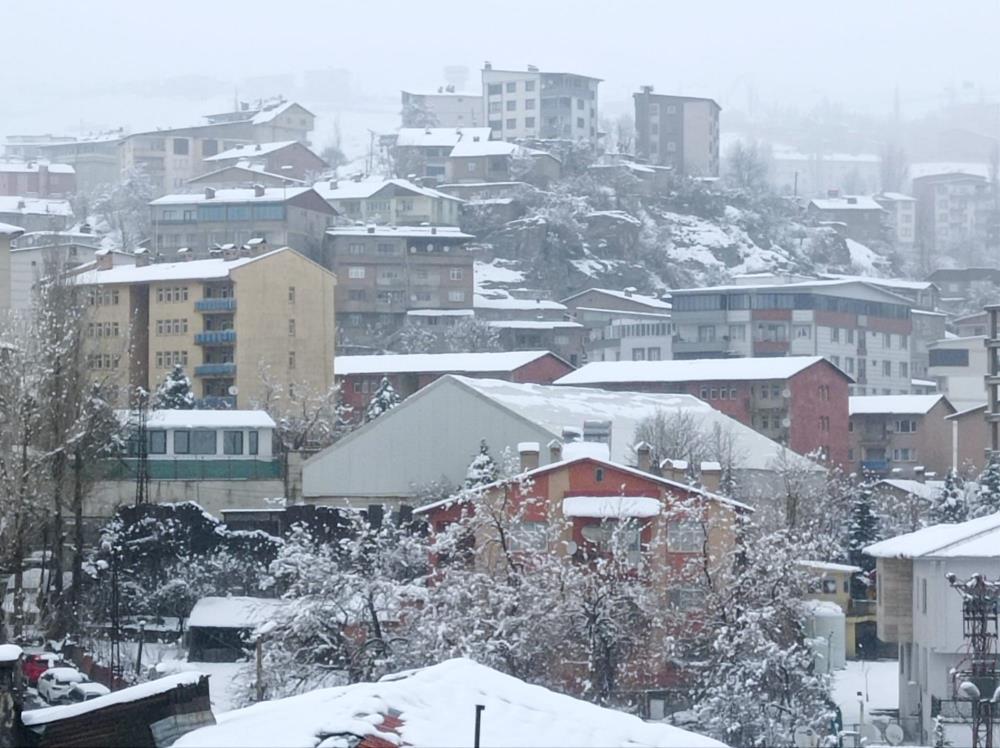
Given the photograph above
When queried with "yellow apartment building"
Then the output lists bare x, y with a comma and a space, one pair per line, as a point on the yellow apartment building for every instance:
232, 323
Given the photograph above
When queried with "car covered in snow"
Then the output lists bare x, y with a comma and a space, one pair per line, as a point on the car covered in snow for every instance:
37, 663
85, 692
55, 683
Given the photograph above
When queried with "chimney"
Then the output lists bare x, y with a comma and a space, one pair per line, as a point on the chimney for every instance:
532, 68
644, 453
85, 228
209, 193
833, 193
529, 455
141, 257
647, 89
184, 254
487, 65
104, 260
258, 147
434, 230
334, 184
711, 475
919, 473
555, 450
258, 190
21, 205
629, 291
675, 470
370, 228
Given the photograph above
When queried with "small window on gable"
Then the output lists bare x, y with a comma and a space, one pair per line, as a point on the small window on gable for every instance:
599, 475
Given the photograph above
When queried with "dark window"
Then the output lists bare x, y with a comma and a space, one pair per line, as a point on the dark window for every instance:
511, 87
599, 475
253, 437
203, 442
209, 147
182, 442
948, 357
232, 442
494, 89
181, 146
157, 442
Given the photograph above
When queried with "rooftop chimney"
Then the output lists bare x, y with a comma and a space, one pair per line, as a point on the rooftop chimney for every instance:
555, 450
529, 455
258, 190
85, 228
258, 147
833, 193
104, 259
333, 184
647, 89
532, 68
711, 475
209, 193
643, 453
675, 470
141, 255
370, 228
919, 473
487, 65
630, 290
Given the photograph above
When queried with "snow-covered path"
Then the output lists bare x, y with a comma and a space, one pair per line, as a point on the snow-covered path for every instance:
878, 679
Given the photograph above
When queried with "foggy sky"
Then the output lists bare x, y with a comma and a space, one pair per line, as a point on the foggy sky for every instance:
54, 54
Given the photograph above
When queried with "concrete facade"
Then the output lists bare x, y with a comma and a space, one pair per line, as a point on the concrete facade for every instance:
392, 202
907, 432
959, 366
37, 179
442, 108
677, 131
538, 105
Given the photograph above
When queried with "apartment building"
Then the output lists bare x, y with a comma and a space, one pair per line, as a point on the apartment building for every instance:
36, 213
386, 271
287, 158
8, 233
953, 212
959, 367
242, 174
37, 254
798, 401
476, 160
539, 105
677, 131
424, 151
859, 327
899, 433
390, 202
860, 217
269, 120
211, 219
960, 284
445, 107
623, 325
95, 158
231, 323
901, 212
37, 179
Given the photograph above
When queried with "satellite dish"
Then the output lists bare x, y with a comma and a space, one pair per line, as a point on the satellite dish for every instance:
571, 547
805, 737
233, 390
894, 734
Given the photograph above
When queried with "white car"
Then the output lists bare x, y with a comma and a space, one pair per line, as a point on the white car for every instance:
85, 692
55, 684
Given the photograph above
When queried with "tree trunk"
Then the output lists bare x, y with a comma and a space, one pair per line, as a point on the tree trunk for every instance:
58, 532
77, 531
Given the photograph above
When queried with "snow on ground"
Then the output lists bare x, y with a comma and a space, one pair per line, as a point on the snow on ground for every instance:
489, 274
436, 706
878, 682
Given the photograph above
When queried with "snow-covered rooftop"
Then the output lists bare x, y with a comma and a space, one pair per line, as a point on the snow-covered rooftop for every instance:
555, 407
233, 195
435, 362
440, 137
348, 189
32, 167
251, 150
36, 717
847, 202
610, 507
705, 370
976, 538
194, 419
8, 228
925, 490
445, 232
233, 612
650, 301
520, 324
165, 271
436, 706
471, 147
495, 301
829, 566
901, 284
31, 206
806, 285
896, 404
896, 197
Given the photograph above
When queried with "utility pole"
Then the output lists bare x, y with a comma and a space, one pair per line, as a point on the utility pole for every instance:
115, 664
140, 417
480, 708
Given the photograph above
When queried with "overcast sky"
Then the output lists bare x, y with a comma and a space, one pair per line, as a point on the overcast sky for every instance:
55, 54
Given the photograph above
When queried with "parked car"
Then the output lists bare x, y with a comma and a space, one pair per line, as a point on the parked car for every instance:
36, 664
85, 692
55, 683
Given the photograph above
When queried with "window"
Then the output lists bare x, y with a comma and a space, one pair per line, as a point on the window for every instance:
732, 393
253, 442
386, 248
580, 123
671, 146
512, 124
511, 87
291, 359
181, 146
887, 340
638, 354
904, 370
923, 595
494, 89
456, 274
529, 104
835, 334
355, 249
904, 341
904, 454
685, 599
684, 536
713, 393
599, 475
706, 333
948, 357
849, 361
824, 423
456, 296
704, 393
356, 294
887, 368
528, 535
356, 271
529, 85
653, 354
906, 426
495, 107
529, 122
737, 332
723, 394
291, 328
824, 392
232, 442
850, 334
203, 442
803, 331
291, 294
182, 442
157, 444
511, 105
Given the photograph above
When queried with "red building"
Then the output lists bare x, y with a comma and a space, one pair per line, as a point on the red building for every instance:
359, 376
799, 401
36, 179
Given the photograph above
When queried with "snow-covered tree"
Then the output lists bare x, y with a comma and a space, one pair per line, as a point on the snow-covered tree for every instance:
862, 523
746, 166
483, 469
383, 400
125, 209
949, 506
987, 496
472, 335
175, 391
416, 339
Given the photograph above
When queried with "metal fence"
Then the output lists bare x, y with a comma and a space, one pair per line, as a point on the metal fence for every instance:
212, 469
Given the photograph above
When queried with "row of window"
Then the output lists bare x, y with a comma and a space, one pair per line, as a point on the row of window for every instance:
708, 302
171, 326
900, 454
103, 361
646, 354
496, 89
900, 425
102, 297
511, 105
359, 272
203, 442
171, 294
205, 213
903, 366
168, 359
103, 330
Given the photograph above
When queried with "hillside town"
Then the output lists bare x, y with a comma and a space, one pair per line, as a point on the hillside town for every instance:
532, 417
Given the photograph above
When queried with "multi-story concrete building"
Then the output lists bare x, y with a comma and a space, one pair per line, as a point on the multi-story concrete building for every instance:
36, 213
859, 327
8, 233
424, 151
241, 175
899, 433
269, 120
918, 610
476, 160
623, 325
287, 158
798, 401
390, 202
563, 337
40, 254
901, 211
94, 158
677, 131
959, 285
928, 328
959, 367
861, 217
442, 108
239, 326
209, 220
536, 105
385, 271
37, 179
954, 213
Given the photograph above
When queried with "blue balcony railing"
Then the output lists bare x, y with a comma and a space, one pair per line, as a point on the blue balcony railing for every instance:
875, 466
215, 370
215, 402
215, 337
215, 305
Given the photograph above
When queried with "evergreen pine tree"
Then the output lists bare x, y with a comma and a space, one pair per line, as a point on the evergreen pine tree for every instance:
949, 506
863, 525
174, 392
482, 470
384, 399
987, 499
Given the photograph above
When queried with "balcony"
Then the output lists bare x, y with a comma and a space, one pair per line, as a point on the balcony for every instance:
215, 402
215, 337
215, 305
215, 370
867, 466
